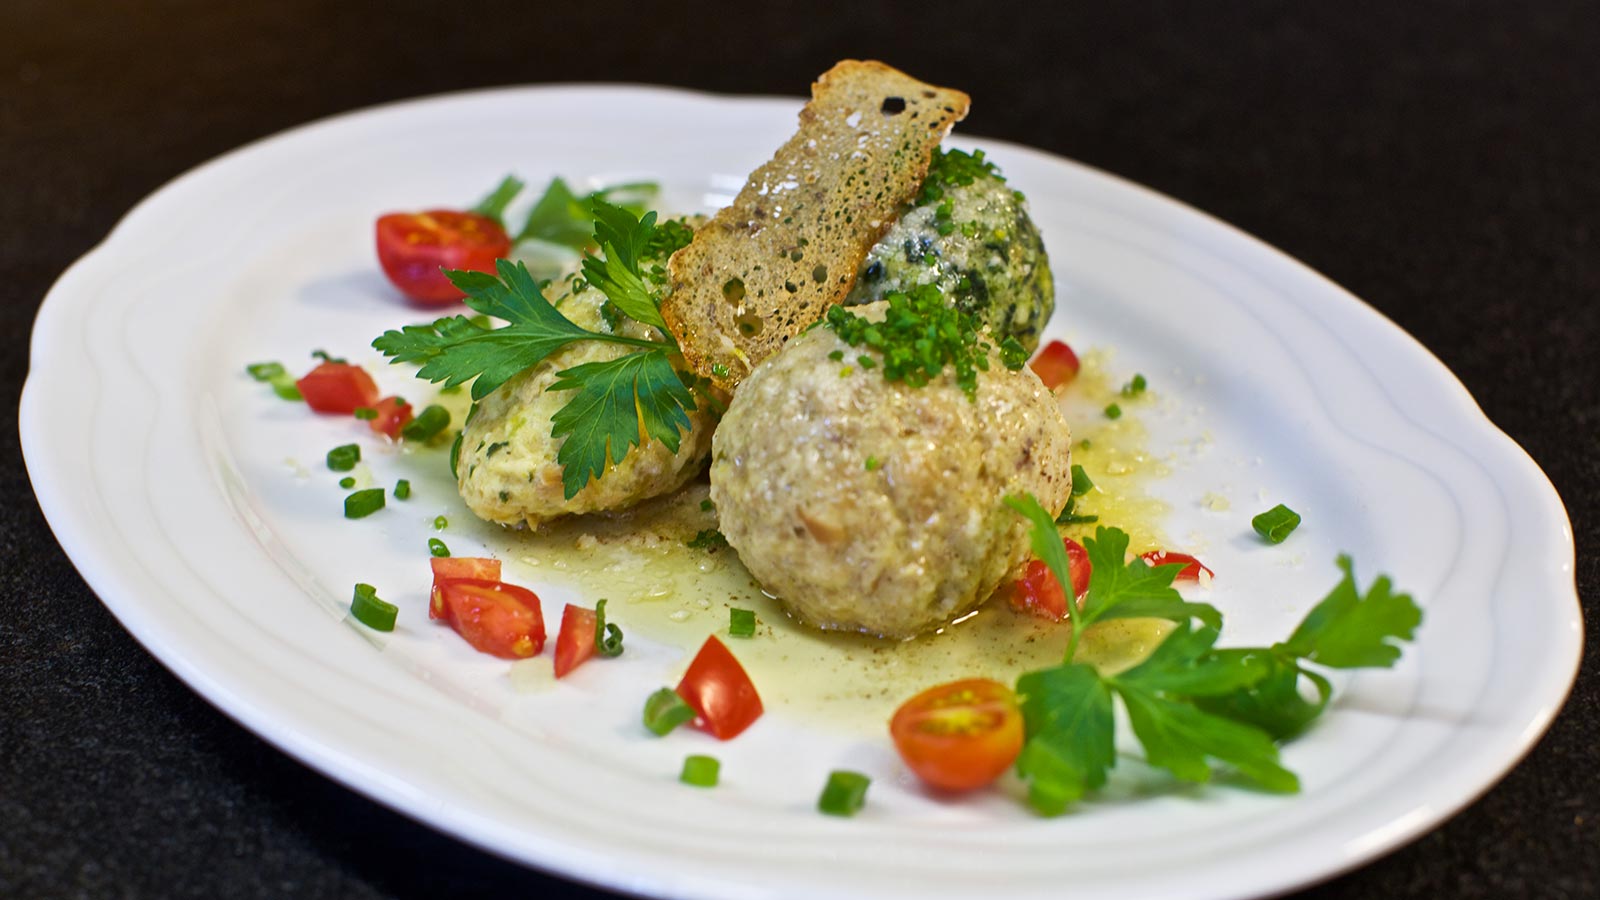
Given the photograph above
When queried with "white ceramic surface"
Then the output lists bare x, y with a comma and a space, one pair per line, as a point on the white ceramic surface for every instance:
162, 470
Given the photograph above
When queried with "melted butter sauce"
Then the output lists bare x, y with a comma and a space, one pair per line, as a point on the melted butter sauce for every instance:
663, 590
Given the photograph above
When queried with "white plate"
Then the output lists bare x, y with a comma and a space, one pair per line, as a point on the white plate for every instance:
161, 469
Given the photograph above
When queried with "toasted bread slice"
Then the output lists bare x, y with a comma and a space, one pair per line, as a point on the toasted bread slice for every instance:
789, 246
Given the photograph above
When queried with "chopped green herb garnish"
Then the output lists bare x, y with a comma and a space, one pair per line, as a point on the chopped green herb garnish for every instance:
365, 413
1276, 523
440, 523
741, 622
708, 539
873, 464
402, 490
665, 710
700, 771
1135, 387
286, 389
607, 637
1080, 482
266, 371
437, 548
1113, 411
344, 457
844, 794
432, 420
706, 505
361, 504
954, 168
371, 611
347, 482
919, 336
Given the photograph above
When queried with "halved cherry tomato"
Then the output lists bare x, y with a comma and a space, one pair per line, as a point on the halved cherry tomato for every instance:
575, 641
335, 387
413, 247
1038, 592
449, 568
1055, 365
961, 735
496, 618
722, 695
1191, 567
393, 414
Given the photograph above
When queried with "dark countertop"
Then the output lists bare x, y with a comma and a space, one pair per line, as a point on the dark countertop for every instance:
1441, 161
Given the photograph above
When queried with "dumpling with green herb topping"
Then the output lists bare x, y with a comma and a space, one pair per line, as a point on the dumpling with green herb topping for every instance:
970, 235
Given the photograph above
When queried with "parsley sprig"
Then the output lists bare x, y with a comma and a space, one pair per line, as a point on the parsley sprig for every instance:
615, 402
1190, 704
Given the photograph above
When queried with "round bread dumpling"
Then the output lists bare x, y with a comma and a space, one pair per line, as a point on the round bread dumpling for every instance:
874, 506
507, 470
969, 235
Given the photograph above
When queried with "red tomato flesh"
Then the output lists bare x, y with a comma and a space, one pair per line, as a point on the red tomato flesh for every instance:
450, 568
959, 736
414, 247
722, 695
1039, 593
393, 414
338, 388
575, 641
1191, 567
494, 617
1055, 365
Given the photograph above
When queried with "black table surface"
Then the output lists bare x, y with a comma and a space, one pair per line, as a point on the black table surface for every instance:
1442, 161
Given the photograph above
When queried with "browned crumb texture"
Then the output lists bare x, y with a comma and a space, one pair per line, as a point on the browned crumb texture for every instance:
789, 246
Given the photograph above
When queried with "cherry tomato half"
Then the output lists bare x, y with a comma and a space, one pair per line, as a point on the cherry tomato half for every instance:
1055, 365
959, 736
413, 247
575, 641
1038, 592
450, 568
334, 387
716, 686
1191, 567
393, 414
494, 617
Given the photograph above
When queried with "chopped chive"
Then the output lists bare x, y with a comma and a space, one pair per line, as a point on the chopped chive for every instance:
1070, 518
873, 464
607, 637
372, 612
665, 710
455, 451
836, 356
1113, 411
428, 423
707, 539
844, 794
286, 389
440, 523
347, 482
1276, 523
1135, 387
700, 771
741, 622
266, 371
363, 503
437, 547
719, 369
402, 490
365, 413
344, 457
866, 362
1084, 444
706, 505
1080, 482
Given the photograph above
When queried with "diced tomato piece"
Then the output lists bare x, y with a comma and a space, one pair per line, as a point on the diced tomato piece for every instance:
393, 414
575, 641
959, 736
722, 695
1055, 365
449, 568
334, 387
1191, 567
414, 247
1038, 592
494, 617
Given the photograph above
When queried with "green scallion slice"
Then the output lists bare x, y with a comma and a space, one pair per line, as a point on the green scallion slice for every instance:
344, 458
665, 710
266, 371
428, 423
700, 771
286, 389
844, 794
440, 523
363, 503
741, 622
437, 547
1080, 482
607, 638
1276, 523
372, 612
1113, 411
347, 482
365, 413
402, 490
1135, 387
